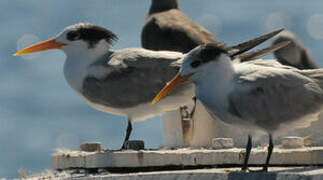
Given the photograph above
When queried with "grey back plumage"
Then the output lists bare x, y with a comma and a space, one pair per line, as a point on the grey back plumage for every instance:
171, 29
135, 77
295, 54
278, 95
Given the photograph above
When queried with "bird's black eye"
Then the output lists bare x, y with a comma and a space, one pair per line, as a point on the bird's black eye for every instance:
73, 35
195, 64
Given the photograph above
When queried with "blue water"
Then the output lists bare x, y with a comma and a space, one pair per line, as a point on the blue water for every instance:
39, 111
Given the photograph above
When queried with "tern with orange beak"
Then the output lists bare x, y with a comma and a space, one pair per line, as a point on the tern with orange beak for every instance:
112, 81
263, 95
121, 82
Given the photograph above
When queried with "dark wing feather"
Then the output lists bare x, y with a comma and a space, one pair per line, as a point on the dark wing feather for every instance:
245, 46
261, 52
173, 30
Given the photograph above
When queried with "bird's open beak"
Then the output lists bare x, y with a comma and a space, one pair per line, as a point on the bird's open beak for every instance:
176, 81
42, 46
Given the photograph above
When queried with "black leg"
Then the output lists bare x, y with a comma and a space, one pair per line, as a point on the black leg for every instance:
129, 129
184, 113
194, 106
248, 150
270, 150
186, 124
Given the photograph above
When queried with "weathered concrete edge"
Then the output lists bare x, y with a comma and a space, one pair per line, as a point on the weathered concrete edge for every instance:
76, 159
211, 174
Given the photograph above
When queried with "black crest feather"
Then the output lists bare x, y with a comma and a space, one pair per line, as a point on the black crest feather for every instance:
91, 33
210, 52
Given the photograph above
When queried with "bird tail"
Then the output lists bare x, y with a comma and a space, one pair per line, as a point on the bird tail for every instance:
245, 46
261, 52
316, 75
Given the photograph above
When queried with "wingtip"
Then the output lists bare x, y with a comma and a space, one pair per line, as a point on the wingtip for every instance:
262, 52
245, 46
269, 35
280, 30
273, 33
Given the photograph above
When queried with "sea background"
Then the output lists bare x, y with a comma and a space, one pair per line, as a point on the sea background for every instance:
39, 112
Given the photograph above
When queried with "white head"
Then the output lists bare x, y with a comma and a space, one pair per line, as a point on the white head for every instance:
203, 60
76, 39
198, 64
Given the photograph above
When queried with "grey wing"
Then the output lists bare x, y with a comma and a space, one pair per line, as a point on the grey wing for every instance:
268, 96
134, 78
265, 63
173, 31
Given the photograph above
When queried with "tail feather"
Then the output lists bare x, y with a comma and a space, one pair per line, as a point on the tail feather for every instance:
316, 75
261, 52
245, 46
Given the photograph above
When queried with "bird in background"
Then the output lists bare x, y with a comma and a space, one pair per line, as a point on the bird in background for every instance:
295, 54
263, 95
167, 28
122, 82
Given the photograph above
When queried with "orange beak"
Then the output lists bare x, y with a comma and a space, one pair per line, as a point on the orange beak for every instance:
176, 81
42, 46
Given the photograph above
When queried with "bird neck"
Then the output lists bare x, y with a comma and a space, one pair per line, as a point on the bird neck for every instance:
77, 66
214, 83
163, 5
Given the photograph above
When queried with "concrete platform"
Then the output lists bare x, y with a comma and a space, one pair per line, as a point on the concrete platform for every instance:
183, 158
275, 173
